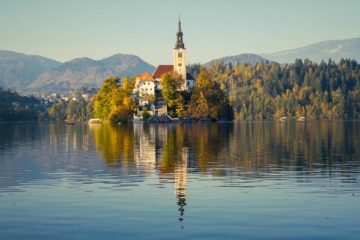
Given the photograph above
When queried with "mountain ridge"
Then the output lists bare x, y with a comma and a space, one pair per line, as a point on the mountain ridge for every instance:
85, 71
250, 58
320, 51
17, 70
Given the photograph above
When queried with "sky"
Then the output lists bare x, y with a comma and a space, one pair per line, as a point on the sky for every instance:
68, 29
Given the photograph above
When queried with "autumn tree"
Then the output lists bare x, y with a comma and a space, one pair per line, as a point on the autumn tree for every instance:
113, 101
172, 94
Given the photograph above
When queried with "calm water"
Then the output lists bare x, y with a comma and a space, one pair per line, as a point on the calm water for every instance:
252, 180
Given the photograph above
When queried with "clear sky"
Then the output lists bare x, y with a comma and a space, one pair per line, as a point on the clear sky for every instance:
67, 29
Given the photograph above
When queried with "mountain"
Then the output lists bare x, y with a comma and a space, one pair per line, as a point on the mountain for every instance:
88, 72
241, 58
335, 49
18, 70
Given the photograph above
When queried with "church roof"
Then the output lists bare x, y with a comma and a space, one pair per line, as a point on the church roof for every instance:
145, 76
161, 69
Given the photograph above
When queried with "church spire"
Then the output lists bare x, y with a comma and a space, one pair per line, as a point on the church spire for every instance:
179, 30
179, 37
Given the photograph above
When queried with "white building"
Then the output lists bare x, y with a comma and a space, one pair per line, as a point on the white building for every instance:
145, 86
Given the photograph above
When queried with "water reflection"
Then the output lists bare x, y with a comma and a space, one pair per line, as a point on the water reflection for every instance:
135, 165
252, 150
224, 150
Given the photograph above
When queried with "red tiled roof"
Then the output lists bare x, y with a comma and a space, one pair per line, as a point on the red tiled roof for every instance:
145, 76
161, 69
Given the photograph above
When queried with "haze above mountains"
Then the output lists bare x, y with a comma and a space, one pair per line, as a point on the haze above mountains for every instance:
36, 74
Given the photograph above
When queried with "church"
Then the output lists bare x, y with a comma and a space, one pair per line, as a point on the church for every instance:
148, 86
179, 63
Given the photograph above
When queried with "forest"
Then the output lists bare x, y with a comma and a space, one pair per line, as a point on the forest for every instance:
304, 88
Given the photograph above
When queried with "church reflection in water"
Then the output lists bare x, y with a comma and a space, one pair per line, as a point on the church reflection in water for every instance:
181, 182
161, 148
154, 149
247, 149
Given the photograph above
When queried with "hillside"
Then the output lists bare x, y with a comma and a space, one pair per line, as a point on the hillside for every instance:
88, 72
335, 49
18, 70
241, 58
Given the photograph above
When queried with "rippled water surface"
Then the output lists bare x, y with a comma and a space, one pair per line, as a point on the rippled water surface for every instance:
250, 180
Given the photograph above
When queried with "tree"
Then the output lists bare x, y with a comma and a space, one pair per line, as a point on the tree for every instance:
57, 111
113, 102
170, 85
208, 100
199, 107
128, 85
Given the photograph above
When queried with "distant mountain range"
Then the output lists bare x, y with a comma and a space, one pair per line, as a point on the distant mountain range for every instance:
241, 58
335, 49
18, 70
37, 74
88, 72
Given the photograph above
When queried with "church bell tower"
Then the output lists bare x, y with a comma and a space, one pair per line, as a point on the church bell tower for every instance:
180, 57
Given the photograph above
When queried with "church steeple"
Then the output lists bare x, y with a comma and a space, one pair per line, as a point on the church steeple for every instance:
180, 58
179, 25
179, 38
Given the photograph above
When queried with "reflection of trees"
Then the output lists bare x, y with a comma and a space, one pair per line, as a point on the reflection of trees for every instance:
225, 150
115, 143
230, 149
262, 146
171, 153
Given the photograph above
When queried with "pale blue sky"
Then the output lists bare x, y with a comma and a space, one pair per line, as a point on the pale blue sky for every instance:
67, 29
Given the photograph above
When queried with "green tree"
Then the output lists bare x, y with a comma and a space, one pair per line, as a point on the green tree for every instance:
170, 85
114, 102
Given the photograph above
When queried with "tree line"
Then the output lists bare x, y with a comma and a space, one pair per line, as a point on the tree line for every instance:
14, 107
304, 88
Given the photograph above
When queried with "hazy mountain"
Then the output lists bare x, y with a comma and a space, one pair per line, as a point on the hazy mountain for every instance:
88, 72
18, 70
335, 49
241, 58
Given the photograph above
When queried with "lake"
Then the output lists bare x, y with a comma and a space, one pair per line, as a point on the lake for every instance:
249, 180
